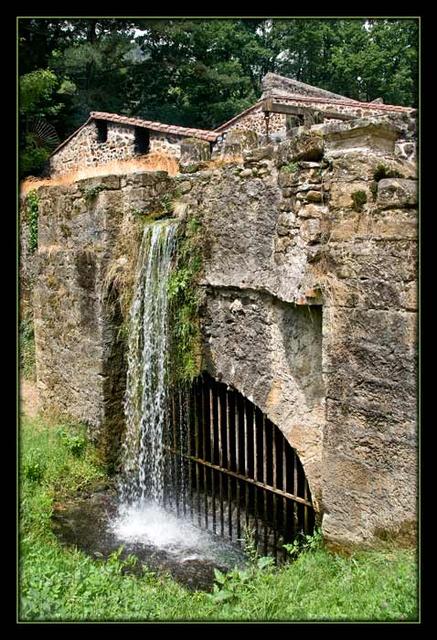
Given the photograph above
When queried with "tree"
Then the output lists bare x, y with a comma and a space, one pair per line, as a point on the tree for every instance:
201, 72
37, 93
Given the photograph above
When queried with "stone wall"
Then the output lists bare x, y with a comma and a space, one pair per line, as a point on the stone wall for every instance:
88, 235
309, 285
311, 282
84, 149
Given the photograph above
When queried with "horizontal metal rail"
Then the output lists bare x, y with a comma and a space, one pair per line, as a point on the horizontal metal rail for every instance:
239, 476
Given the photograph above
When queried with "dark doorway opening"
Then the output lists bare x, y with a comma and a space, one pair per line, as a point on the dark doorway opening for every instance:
102, 130
142, 141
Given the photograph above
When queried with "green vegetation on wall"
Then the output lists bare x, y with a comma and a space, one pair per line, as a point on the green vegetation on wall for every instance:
90, 193
184, 298
359, 199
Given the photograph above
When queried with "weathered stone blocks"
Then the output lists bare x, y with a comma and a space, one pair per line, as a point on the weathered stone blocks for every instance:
306, 145
194, 151
396, 192
309, 307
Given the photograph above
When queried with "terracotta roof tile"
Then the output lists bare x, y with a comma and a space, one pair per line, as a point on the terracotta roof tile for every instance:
203, 134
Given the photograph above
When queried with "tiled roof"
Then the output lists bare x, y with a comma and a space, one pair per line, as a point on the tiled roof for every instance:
203, 134
347, 102
308, 99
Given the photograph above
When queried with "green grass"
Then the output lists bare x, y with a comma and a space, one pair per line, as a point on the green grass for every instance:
64, 584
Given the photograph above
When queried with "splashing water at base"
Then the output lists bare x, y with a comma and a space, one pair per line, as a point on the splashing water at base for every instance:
175, 537
150, 524
135, 519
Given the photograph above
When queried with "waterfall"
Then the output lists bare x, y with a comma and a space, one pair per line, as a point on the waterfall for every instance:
153, 490
142, 477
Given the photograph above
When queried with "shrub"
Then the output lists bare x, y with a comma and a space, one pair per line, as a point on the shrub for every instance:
359, 199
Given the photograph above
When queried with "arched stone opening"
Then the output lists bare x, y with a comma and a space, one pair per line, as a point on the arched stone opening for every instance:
233, 470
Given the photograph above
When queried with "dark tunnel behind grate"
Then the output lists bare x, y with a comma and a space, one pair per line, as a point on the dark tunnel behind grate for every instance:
233, 471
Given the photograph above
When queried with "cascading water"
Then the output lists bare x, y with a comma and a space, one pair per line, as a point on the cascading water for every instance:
144, 516
142, 477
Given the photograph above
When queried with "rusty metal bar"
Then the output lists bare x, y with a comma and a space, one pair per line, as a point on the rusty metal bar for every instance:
211, 440
188, 455
267, 487
228, 453
295, 489
237, 465
205, 471
305, 509
274, 497
220, 456
265, 480
196, 457
284, 487
255, 473
246, 464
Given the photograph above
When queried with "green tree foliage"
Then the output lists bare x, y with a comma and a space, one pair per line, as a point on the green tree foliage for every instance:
37, 92
201, 72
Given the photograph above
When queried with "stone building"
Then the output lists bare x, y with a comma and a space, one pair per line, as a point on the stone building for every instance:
284, 105
106, 137
309, 283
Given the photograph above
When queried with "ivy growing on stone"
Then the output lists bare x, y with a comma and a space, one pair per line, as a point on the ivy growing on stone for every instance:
32, 211
185, 300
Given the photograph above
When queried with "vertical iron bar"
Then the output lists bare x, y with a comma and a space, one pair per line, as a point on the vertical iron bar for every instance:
196, 450
246, 464
189, 447
211, 441
228, 454
265, 481
220, 457
237, 466
295, 492
274, 496
255, 475
202, 419
284, 488
305, 509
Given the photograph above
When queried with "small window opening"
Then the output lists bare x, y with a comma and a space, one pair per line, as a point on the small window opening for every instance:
102, 130
142, 140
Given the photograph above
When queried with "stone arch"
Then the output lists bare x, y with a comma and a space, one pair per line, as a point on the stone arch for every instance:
271, 352
241, 469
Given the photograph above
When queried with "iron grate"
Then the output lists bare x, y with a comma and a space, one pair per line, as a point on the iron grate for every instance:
232, 470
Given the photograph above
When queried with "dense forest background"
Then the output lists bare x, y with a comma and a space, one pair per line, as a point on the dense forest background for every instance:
196, 72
